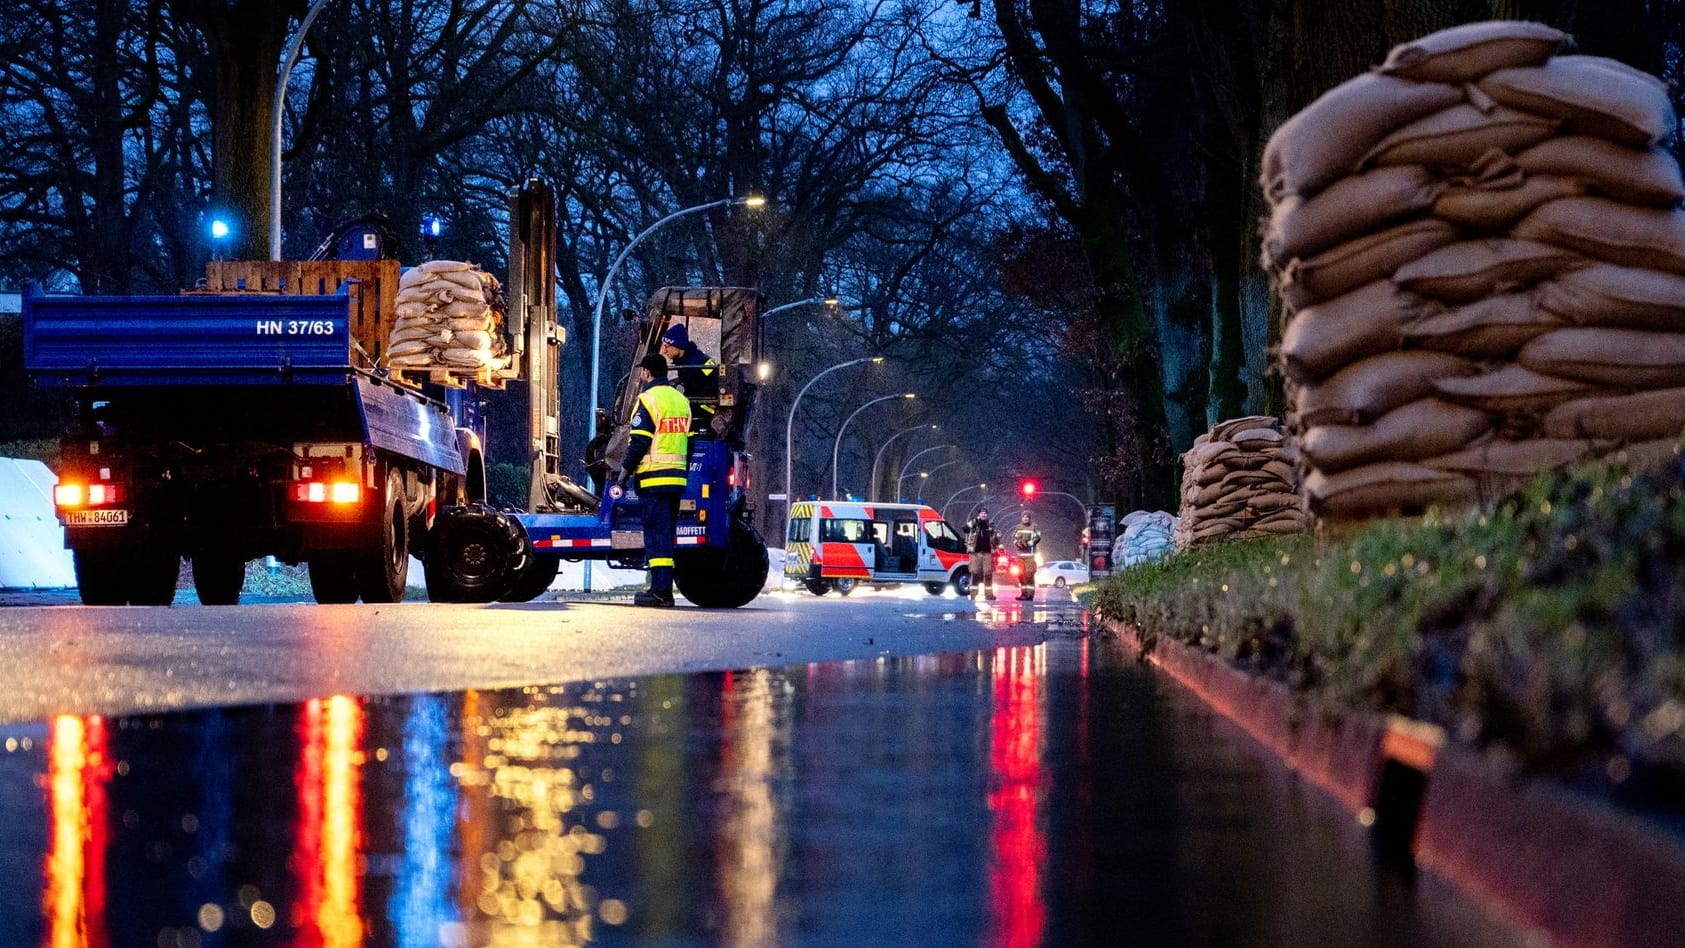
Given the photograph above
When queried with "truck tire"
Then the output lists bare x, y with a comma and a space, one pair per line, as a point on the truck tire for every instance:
715, 579
333, 578
473, 555
534, 579
218, 578
153, 576
102, 577
384, 570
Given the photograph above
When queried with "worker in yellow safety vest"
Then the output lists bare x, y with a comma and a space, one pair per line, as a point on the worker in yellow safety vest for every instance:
659, 458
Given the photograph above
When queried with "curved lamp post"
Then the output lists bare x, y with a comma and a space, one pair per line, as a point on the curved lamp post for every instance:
956, 494
874, 481
790, 426
288, 60
810, 301
836, 446
903, 475
602, 289
1059, 493
925, 476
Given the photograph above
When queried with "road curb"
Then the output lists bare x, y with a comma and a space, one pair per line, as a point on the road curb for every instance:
1573, 870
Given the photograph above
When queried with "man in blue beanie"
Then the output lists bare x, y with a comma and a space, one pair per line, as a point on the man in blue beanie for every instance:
699, 376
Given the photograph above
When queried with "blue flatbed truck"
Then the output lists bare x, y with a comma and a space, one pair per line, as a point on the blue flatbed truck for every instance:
258, 416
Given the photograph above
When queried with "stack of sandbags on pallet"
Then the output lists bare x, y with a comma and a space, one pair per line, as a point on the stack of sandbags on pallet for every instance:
448, 317
1148, 536
1477, 246
1237, 484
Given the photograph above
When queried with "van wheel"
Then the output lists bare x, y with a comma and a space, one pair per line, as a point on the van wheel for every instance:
935, 589
846, 586
816, 586
962, 581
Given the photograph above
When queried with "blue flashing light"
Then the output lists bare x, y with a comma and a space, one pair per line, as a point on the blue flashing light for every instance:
432, 227
219, 229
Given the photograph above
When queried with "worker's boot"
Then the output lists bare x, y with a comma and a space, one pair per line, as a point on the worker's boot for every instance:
660, 593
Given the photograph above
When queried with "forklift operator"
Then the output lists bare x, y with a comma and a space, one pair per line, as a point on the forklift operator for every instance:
699, 376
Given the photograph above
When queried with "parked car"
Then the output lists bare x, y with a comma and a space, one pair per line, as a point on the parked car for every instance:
1061, 573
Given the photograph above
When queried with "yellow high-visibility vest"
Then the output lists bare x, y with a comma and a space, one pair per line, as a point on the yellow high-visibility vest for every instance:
669, 412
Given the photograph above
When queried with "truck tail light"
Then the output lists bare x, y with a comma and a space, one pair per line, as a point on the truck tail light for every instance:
327, 492
97, 494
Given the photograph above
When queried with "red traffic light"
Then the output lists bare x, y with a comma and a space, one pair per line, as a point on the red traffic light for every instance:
1028, 489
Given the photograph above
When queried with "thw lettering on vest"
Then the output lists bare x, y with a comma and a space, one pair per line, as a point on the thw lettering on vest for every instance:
673, 426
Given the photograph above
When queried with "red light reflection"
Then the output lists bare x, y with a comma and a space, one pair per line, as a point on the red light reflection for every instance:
1019, 849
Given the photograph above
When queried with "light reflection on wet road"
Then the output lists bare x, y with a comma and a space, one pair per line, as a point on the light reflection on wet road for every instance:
1054, 794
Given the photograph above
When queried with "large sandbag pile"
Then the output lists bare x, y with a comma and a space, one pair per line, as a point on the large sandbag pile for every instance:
1237, 484
1482, 260
448, 317
1148, 536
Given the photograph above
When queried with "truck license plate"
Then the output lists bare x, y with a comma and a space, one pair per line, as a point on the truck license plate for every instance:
95, 518
626, 539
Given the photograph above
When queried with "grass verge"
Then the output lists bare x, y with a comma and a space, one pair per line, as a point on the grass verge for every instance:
1550, 628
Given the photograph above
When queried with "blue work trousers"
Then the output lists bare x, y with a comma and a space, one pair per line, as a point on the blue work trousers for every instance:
661, 515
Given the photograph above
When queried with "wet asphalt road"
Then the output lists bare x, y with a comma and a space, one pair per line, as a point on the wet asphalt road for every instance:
887, 769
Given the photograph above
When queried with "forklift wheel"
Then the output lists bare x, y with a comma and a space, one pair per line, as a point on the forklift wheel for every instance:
716, 579
533, 580
473, 556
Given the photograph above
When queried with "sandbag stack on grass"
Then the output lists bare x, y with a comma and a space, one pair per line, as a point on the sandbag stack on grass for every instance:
1482, 261
1148, 536
1238, 484
447, 317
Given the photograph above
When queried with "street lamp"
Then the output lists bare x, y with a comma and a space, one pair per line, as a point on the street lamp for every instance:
926, 475
956, 494
1059, 493
903, 475
874, 481
820, 300
294, 47
602, 289
836, 446
790, 426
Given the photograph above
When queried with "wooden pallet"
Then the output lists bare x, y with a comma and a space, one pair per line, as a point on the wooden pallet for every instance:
372, 285
452, 376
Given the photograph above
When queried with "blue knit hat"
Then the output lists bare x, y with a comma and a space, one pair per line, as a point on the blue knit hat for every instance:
676, 336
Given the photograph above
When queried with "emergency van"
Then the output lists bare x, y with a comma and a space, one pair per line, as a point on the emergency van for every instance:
842, 544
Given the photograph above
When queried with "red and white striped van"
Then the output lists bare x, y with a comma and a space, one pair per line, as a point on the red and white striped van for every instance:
842, 544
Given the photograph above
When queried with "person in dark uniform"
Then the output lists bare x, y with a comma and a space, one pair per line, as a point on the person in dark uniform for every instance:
658, 456
699, 376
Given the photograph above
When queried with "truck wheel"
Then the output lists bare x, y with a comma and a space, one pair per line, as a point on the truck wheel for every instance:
536, 577
218, 578
152, 581
845, 586
102, 577
333, 578
935, 589
473, 556
383, 571
726, 579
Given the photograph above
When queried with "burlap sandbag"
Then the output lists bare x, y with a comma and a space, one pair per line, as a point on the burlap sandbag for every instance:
1456, 137
1325, 338
1227, 430
1323, 141
1467, 52
1424, 428
1639, 417
1475, 269
1629, 175
1360, 393
1385, 487
1591, 96
1358, 262
1201, 455
1624, 297
1511, 388
1493, 328
1513, 458
1348, 208
1492, 208
1618, 358
1605, 230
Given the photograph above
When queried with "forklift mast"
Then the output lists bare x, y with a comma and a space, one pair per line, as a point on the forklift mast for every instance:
535, 335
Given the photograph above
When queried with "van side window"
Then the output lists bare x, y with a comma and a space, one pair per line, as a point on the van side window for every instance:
798, 530
940, 537
845, 531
